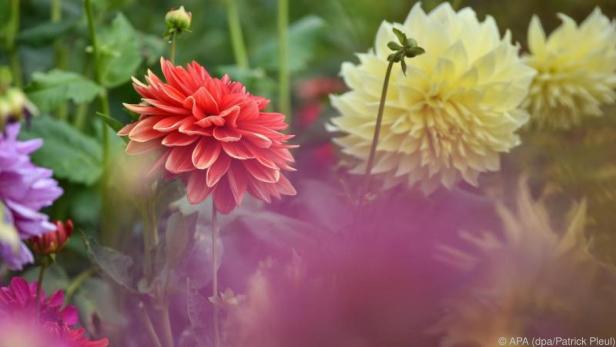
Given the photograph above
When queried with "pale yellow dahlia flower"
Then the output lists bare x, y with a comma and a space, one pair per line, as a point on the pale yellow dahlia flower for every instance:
533, 275
576, 70
449, 117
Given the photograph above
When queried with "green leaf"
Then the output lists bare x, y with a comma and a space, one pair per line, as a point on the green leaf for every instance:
303, 36
45, 33
116, 265
120, 55
49, 90
71, 154
115, 124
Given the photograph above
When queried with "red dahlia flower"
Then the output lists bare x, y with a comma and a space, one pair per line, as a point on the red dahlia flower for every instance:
211, 133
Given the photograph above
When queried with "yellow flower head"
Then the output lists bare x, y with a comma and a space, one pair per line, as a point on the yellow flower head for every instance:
530, 274
449, 117
576, 70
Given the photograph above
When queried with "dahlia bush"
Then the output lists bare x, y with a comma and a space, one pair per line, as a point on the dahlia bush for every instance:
201, 176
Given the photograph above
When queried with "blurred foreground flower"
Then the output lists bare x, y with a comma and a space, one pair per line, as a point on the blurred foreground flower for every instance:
53, 242
576, 68
531, 282
47, 318
452, 114
24, 190
211, 133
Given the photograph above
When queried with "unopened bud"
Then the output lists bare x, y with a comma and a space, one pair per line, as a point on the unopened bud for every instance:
52, 242
178, 20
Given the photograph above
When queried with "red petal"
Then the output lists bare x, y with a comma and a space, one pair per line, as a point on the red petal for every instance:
218, 170
238, 182
226, 134
259, 190
257, 139
237, 150
179, 160
285, 187
143, 131
231, 115
206, 101
126, 129
178, 139
260, 172
223, 197
170, 123
205, 153
211, 121
196, 189
134, 148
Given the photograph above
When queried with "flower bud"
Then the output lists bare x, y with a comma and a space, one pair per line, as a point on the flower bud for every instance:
14, 106
52, 242
178, 20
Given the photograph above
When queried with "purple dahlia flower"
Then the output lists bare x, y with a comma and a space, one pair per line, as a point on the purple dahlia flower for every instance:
24, 189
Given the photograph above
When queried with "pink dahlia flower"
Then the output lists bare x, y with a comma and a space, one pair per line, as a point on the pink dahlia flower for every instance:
211, 133
18, 304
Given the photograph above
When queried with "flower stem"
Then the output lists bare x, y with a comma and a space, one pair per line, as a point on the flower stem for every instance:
77, 282
104, 104
59, 51
166, 321
215, 231
284, 91
173, 44
377, 130
237, 38
11, 35
39, 289
149, 327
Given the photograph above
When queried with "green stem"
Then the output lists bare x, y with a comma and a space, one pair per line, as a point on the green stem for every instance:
77, 282
39, 289
173, 44
104, 105
166, 321
59, 51
149, 327
284, 88
11, 35
377, 130
237, 38
215, 231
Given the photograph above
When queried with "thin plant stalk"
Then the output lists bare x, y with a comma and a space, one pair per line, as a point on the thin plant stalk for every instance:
104, 105
173, 46
166, 322
284, 78
77, 282
39, 288
237, 37
377, 130
11, 35
59, 51
149, 327
215, 232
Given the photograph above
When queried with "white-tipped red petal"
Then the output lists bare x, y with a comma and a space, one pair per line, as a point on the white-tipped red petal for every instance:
218, 170
206, 152
196, 189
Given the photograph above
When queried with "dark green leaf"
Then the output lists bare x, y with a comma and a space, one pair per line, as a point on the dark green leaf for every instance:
71, 154
45, 33
116, 265
51, 89
119, 55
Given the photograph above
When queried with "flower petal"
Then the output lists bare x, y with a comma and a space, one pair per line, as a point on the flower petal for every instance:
206, 152
218, 170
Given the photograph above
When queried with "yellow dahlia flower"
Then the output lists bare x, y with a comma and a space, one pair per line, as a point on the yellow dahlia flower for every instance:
576, 70
529, 277
449, 117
